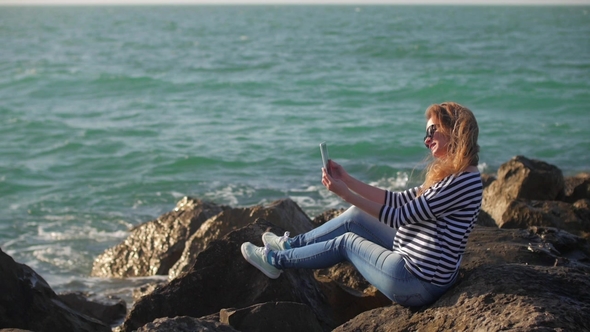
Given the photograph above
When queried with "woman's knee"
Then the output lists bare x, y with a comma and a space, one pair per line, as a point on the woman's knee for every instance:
346, 239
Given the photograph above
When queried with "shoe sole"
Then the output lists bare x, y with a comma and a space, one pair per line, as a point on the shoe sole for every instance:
255, 264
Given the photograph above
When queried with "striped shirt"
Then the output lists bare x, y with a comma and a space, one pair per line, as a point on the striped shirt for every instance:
432, 230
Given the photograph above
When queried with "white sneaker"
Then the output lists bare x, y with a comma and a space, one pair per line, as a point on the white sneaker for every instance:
275, 242
257, 257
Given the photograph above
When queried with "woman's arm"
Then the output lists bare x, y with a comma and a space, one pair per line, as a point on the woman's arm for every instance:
453, 193
340, 187
367, 191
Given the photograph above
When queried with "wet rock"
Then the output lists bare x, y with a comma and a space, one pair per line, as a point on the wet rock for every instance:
109, 310
184, 324
27, 302
153, 247
220, 278
284, 213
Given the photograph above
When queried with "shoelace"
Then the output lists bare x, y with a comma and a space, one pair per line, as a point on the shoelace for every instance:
285, 237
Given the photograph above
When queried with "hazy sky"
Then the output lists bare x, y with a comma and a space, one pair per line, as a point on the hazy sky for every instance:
355, 2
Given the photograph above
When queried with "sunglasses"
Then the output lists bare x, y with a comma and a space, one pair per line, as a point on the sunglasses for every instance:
429, 133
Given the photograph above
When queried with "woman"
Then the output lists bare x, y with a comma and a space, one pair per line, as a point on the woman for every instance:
407, 244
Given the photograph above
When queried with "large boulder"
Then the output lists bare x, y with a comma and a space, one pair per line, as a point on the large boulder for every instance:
527, 193
220, 278
153, 247
284, 213
506, 283
530, 179
27, 302
508, 297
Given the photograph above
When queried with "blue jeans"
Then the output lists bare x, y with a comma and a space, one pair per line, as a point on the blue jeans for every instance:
364, 241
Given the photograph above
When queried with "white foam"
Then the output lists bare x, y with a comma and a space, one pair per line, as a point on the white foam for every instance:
399, 182
482, 167
177, 194
79, 233
230, 193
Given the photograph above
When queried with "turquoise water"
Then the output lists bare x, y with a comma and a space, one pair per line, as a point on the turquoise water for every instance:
109, 115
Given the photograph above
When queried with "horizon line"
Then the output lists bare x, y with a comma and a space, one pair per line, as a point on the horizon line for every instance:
290, 2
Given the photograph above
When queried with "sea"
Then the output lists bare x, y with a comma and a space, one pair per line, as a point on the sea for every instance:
109, 115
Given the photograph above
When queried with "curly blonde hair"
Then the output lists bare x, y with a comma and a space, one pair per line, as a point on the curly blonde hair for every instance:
458, 124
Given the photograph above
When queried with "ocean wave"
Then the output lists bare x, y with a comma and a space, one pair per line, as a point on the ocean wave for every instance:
67, 231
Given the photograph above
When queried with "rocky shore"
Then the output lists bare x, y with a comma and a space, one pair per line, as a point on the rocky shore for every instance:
526, 268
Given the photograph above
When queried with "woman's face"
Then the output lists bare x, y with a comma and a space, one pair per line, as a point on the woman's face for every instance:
437, 142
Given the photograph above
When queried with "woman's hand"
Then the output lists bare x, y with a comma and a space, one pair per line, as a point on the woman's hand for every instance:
334, 183
338, 172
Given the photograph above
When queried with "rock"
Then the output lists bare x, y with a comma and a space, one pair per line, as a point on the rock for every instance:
348, 292
146, 289
153, 247
27, 302
530, 179
487, 179
284, 213
577, 188
522, 214
184, 324
503, 297
327, 215
220, 278
502, 286
525, 194
493, 246
582, 210
272, 316
347, 276
107, 310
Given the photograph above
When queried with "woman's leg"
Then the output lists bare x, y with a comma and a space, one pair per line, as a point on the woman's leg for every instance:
352, 220
381, 267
